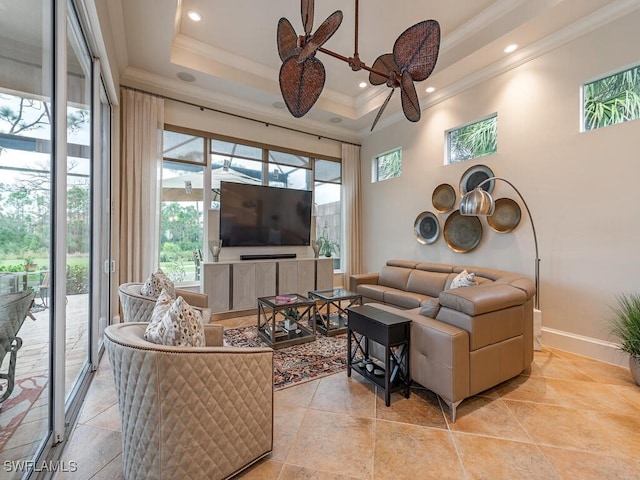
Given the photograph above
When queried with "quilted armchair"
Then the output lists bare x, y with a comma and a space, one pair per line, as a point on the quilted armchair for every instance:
190, 412
138, 308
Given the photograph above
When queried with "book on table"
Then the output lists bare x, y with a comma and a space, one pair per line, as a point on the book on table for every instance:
286, 298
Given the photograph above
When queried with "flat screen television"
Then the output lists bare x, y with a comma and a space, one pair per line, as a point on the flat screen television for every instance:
260, 216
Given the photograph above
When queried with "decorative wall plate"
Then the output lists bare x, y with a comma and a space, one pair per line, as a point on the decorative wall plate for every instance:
444, 198
506, 216
462, 233
474, 177
426, 228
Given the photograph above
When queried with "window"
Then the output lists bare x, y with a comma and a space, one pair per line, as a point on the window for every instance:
387, 165
474, 140
328, 180
289, 171
613, 99
233, 162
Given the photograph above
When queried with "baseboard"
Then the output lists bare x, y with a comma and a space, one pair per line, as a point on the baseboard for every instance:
586, 346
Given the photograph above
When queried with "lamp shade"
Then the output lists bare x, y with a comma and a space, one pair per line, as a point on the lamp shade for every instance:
477, 202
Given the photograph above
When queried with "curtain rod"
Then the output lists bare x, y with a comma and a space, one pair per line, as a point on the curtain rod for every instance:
266, 124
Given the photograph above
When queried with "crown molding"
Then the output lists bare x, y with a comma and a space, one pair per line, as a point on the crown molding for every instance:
119, 35
181, 91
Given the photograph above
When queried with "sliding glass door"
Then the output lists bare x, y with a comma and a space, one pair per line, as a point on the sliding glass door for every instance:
55, 266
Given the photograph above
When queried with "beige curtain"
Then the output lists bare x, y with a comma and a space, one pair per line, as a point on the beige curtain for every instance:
352, 210
142, 123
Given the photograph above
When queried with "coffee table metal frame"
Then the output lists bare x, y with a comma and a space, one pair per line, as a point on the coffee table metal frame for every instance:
389, 330
333, 297
272, 314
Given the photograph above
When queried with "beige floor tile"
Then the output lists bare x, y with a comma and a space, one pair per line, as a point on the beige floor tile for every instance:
286, 423
487, 457
621, 431
109, 419
335, 443
560, 427
488, 416
349, 395
412, 452
298, 395
421, 408
266, 469
591, 396
293, 472
111, 471
92, 449
630, 393
572, 465
531, 389
605, 372
553, 366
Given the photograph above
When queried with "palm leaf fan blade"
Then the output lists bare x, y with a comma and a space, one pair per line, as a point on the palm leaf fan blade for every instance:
287, 40
409, 97
384, 105
307, 11
301, 84
416, 49
384, 63
324, 33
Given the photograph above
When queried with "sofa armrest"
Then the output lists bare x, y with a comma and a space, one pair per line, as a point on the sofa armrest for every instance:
361, 279
481, 299
195, 299
214, 335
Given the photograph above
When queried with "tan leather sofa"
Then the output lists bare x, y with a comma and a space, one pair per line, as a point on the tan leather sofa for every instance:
190, 412
481, 336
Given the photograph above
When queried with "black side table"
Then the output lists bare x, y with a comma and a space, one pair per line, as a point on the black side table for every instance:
389, 330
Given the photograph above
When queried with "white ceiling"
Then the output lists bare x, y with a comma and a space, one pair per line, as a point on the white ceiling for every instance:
233, 57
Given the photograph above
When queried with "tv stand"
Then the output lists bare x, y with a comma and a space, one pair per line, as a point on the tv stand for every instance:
267, 256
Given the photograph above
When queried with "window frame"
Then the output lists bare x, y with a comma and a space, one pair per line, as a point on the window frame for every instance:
447, 139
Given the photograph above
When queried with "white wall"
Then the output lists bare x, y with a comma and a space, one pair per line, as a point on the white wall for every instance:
581, 187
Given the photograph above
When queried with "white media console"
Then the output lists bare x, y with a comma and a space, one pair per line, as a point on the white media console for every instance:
235, 285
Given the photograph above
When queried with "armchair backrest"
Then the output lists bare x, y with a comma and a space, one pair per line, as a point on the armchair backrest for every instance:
138, 308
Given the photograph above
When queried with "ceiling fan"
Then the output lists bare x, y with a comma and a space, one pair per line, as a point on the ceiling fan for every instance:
302, 75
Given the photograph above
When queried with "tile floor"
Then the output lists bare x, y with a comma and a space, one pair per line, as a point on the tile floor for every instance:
568, 417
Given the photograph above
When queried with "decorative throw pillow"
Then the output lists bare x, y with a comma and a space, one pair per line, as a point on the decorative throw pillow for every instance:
188, 329
464, 279
175, 322
157, 331
155, 283
430, 308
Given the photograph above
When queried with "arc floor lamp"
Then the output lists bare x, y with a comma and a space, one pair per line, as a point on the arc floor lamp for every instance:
480, 202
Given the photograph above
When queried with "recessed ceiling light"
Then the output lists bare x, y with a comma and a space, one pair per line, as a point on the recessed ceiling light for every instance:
278, 105
335, 119
195, 16
186, 77
362, 84
430, 90
511, 48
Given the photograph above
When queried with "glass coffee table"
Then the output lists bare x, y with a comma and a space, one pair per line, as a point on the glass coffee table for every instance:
331, 309
285, 320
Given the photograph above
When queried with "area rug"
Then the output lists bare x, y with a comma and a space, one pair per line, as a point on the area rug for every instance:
25, 393
298, 363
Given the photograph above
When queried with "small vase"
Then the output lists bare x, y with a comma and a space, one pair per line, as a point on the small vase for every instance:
634, 366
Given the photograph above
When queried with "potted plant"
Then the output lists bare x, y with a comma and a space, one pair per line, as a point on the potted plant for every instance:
626, 326
29, 266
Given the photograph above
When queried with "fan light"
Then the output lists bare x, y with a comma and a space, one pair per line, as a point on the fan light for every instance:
195, 16
302, 75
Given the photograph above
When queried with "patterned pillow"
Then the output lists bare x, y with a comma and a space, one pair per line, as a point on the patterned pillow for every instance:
188, 328
155, 283
464, 279
157, 331
177, 323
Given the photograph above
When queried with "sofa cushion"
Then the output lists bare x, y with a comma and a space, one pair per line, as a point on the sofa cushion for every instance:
374, 292
403, 299
157, 330
430, 308
175, 322
395, 277
427, 283
482, 298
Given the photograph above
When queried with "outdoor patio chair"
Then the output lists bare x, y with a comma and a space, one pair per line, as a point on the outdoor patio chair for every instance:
14, 308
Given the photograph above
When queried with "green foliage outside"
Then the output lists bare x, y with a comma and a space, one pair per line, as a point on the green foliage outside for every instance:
612, 100
181, 231
389, 165
474, 140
